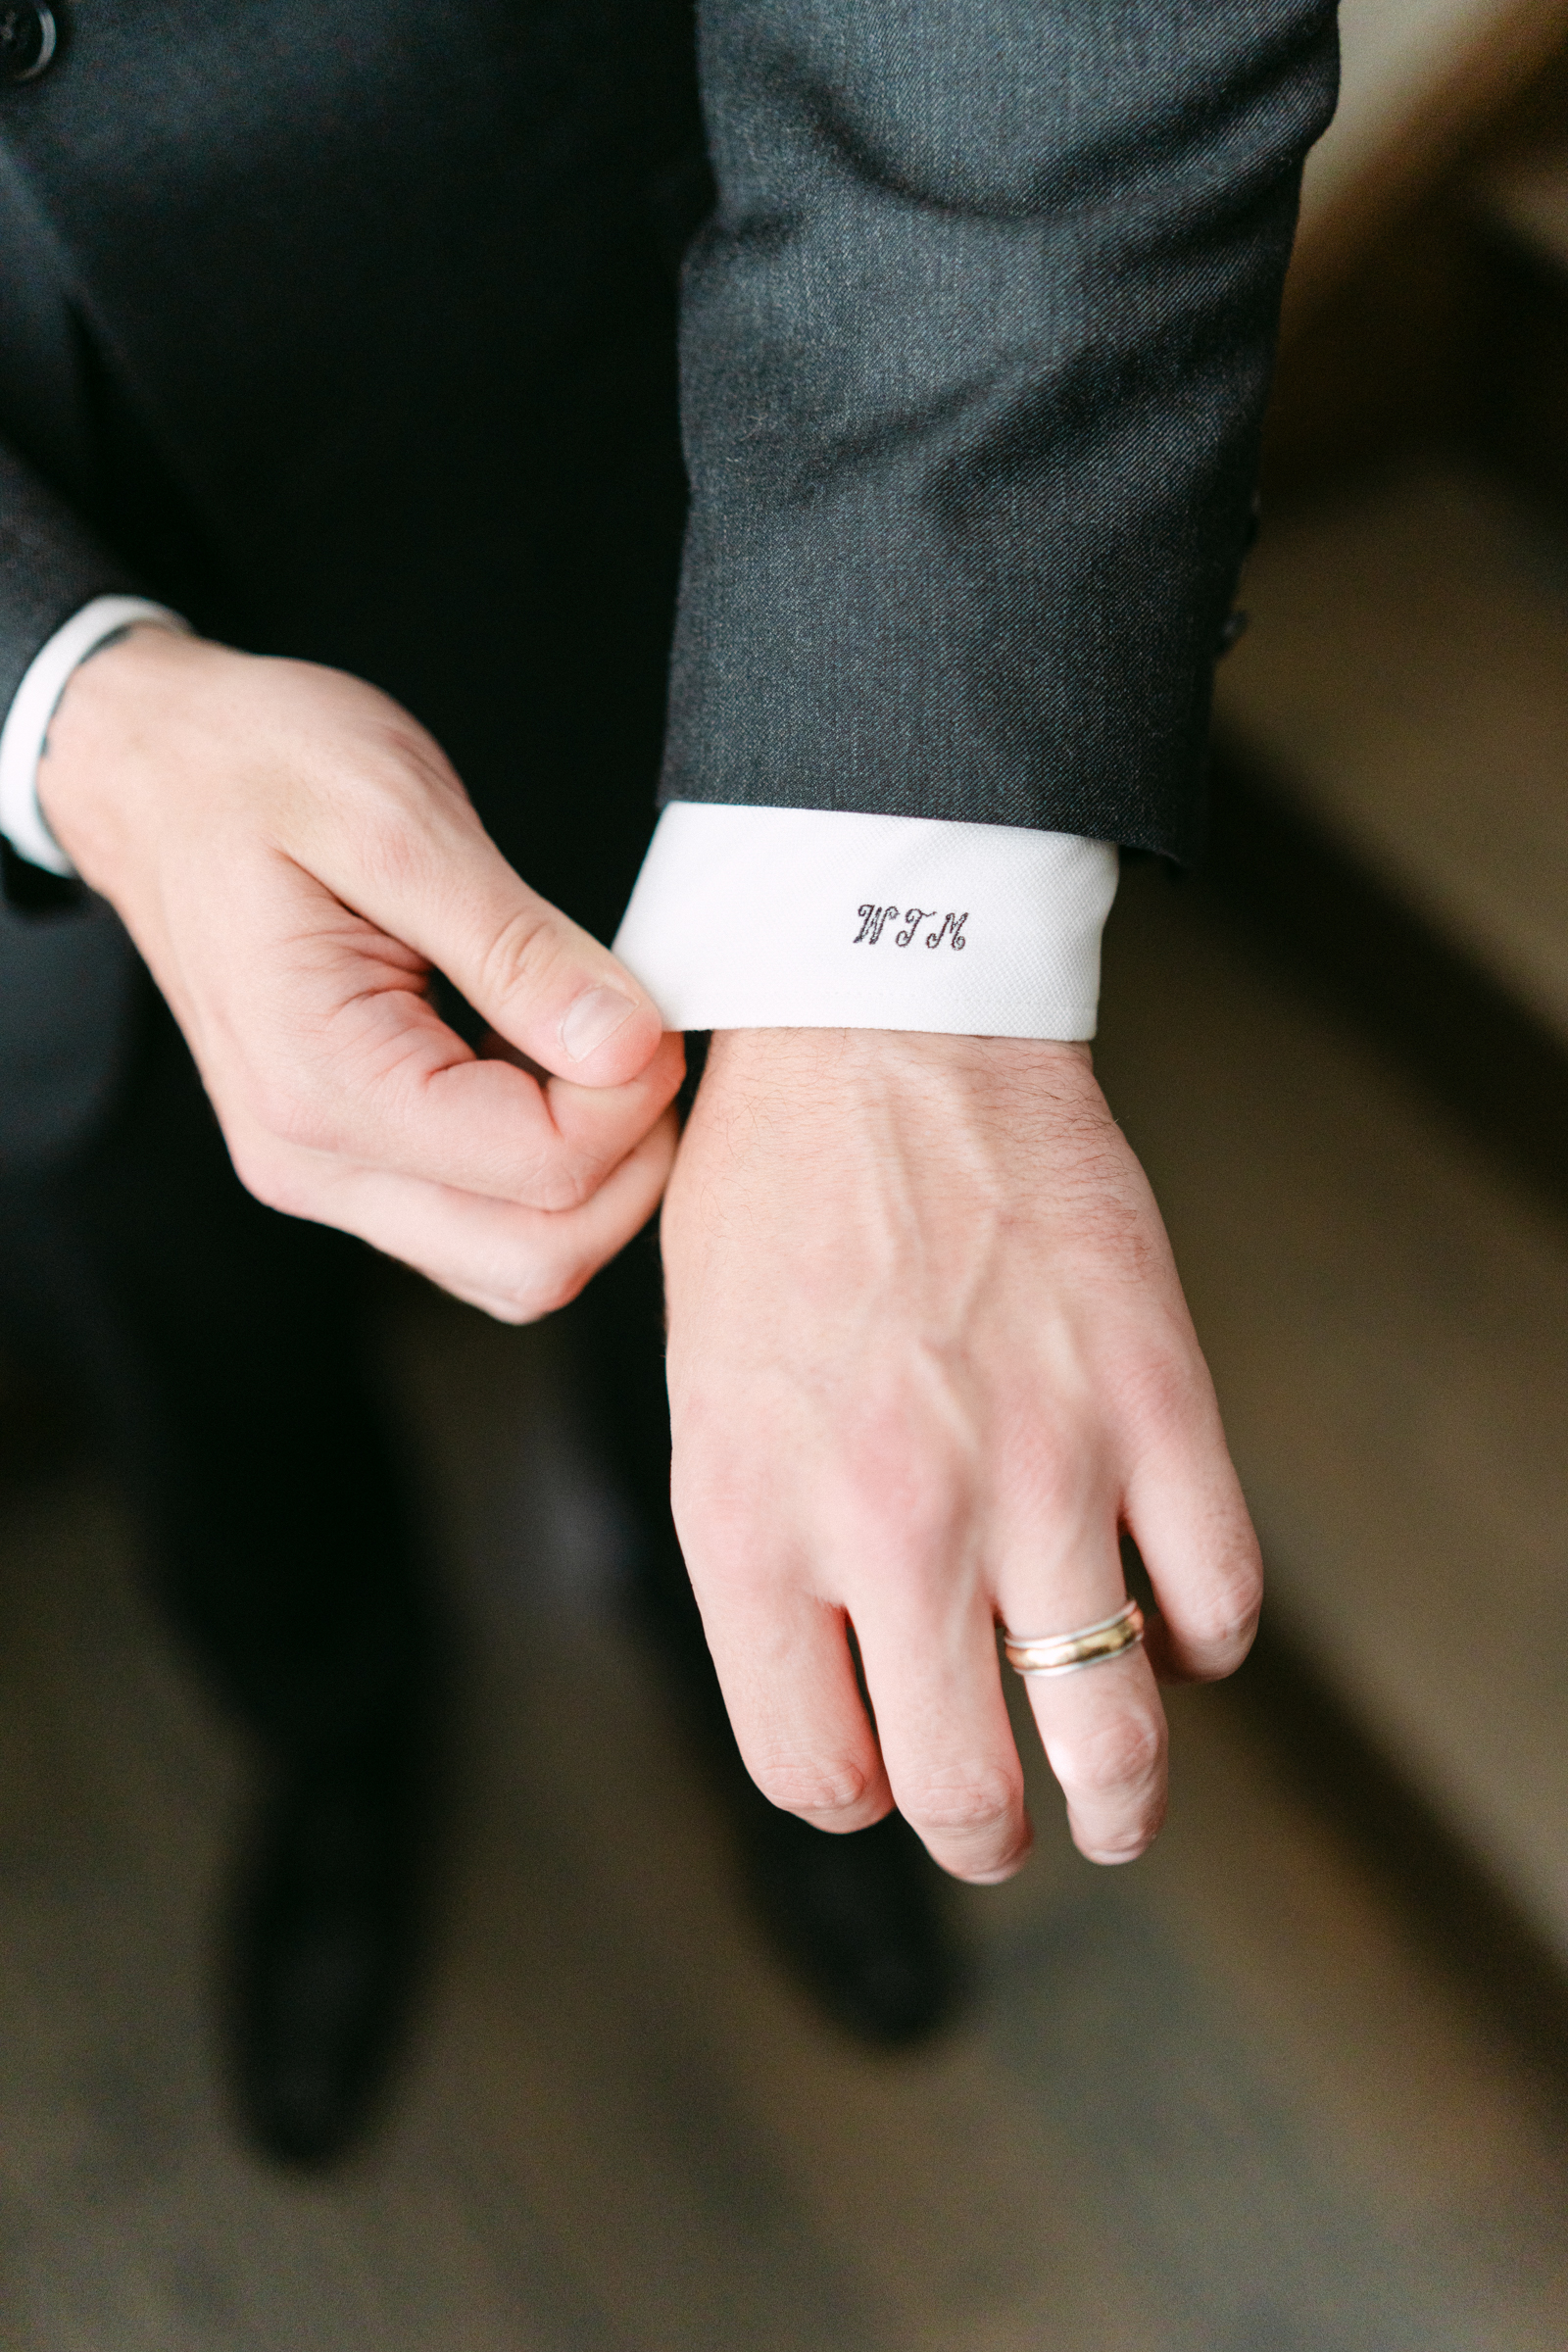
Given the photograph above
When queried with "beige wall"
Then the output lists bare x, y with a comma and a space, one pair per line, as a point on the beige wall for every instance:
1397, 54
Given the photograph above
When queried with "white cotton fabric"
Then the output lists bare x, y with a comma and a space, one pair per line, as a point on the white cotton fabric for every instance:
33, 706
769, 918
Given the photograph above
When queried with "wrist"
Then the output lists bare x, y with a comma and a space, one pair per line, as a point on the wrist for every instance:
118, 707
852, 1059
885, 1130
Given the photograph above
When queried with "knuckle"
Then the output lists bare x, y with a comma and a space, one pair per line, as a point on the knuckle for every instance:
380, 782
721, 1497
819, 1785
559, 1289
1224, 1621
1067, 1478
293, 1114
970, 1798
559, 1184
1162, 1391
520, 954
911, 1494
1121, 1753
268, 1177
398, 804
390, 849
550, 1281
1126, 1845
501, 1307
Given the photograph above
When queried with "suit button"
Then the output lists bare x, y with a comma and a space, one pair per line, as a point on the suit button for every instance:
29, 39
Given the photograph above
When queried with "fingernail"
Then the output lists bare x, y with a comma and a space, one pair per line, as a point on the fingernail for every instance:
593, 1018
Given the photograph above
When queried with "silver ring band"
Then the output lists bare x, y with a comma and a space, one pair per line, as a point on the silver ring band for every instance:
1090, 1646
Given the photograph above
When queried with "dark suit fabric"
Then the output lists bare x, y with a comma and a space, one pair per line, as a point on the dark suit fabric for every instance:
975, 352
975, 349
388, 382
379, 357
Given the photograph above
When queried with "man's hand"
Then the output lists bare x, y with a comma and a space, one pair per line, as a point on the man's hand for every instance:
293, 854
928, 1358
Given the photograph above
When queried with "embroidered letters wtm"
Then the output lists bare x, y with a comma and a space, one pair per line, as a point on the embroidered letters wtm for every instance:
874, 921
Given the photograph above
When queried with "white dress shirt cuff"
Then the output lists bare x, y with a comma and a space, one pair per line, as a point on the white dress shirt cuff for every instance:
27, 728
784, 918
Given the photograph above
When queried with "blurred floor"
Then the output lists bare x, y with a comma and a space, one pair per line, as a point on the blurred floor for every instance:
1383, 1304
1226, 2101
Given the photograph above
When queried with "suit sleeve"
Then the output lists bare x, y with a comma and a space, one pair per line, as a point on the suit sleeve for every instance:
50, 566
66, 971
975, 349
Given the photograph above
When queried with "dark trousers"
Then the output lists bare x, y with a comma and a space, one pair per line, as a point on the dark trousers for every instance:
220, 1350
224, 1351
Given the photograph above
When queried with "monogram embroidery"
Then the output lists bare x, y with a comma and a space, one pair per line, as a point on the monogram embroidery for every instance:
905, 922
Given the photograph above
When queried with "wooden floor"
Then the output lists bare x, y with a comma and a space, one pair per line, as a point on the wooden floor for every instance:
1385, 1310
1219, 2102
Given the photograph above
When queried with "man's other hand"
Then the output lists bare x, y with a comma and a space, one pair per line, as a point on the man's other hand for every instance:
293, 856
928, 1358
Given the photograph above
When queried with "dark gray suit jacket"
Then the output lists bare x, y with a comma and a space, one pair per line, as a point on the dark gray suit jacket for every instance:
349, 328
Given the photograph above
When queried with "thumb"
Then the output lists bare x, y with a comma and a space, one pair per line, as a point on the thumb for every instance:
540, 980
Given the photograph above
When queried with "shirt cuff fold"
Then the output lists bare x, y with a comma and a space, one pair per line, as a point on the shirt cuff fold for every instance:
782, 918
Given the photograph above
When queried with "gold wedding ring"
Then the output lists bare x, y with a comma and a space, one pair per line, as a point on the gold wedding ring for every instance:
1064, 1653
